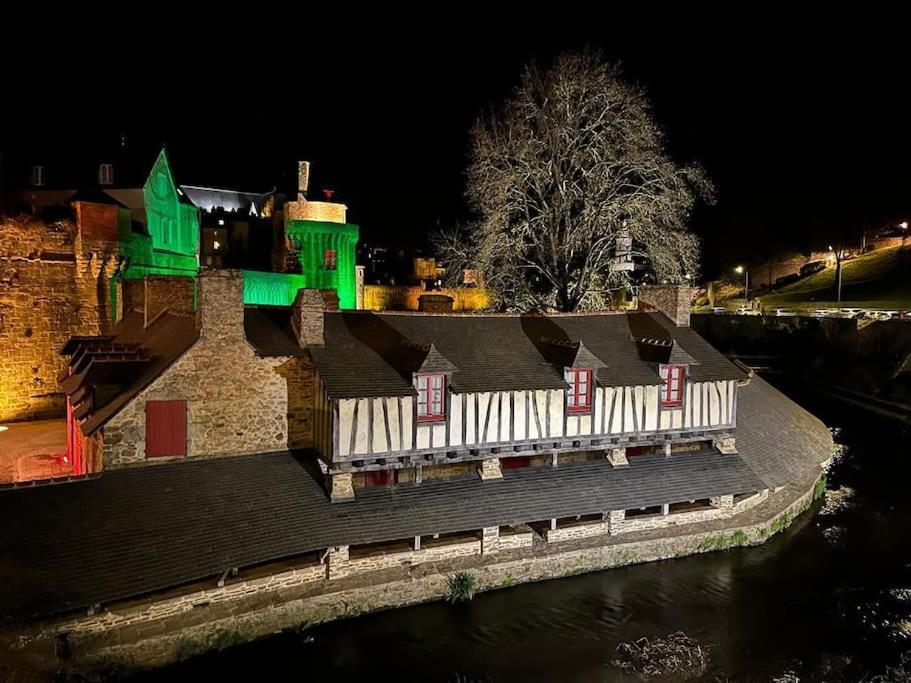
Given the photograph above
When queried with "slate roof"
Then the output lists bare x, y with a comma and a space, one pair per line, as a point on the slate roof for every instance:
213, 199
767, 419
268, 329
495, 352
138, 530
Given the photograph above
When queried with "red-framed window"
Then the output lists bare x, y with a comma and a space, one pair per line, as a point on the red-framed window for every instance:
166, 429
672, 391
431, 396
329, 259
579, 392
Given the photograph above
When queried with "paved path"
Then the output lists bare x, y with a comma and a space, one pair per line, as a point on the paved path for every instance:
33, 450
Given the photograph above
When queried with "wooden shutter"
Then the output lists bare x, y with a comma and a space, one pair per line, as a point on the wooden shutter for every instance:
166, 429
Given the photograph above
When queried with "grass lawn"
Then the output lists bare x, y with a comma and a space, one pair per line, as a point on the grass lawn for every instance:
880, 279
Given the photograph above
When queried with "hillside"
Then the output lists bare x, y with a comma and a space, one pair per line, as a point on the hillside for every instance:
880, 279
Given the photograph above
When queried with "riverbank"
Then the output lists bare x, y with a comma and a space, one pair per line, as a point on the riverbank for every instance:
199, 622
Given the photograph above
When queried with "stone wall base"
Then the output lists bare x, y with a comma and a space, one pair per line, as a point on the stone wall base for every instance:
102, 645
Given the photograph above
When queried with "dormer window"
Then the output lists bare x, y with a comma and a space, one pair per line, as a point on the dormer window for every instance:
106, 174
431, 390
672, 391
579, 391
329, 259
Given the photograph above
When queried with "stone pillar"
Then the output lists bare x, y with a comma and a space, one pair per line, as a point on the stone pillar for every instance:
617, 457
725, 444
667, 449
666, 509
614, 518
340, 487
554, 459
490, 540
359, 287
490, 469
337, 564
303, 180
416, 544
723, 502
675, 301
307, 317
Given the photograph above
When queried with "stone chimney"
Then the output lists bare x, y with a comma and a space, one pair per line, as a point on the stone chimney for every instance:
220, 313
167, 293
307, 317
303, 180
675, 301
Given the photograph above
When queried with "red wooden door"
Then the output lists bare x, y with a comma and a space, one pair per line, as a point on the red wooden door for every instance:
166, 429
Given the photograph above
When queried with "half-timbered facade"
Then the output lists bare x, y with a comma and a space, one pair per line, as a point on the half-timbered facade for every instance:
399, 393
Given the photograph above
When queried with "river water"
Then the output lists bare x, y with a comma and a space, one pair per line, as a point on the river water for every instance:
829, 599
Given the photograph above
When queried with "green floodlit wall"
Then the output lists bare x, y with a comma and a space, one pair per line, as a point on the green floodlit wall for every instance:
170, 246
312, 239
271, 289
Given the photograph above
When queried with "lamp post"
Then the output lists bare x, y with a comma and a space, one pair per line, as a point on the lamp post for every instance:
839, 253
746, 281
904, 226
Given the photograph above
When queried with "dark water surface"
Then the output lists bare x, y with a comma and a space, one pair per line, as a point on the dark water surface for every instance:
826, 600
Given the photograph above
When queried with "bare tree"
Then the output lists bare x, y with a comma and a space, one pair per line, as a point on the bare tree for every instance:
561, 179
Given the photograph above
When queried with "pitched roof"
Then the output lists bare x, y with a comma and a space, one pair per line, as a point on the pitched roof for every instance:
500, 352
117, 366
777, 438
213, 199
237, 512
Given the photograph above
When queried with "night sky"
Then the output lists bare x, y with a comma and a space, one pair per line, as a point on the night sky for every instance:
805, 134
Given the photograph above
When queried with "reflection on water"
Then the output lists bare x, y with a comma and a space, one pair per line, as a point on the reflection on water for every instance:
829, 599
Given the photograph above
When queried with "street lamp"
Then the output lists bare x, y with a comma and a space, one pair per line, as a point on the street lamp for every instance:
746, 281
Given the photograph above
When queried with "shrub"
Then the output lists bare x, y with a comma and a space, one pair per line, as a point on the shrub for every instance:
461, 587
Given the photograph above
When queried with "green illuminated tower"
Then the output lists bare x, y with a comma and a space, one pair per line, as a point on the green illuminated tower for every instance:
325, 244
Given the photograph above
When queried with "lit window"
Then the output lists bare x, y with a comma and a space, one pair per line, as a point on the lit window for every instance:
329, 259
672, 391
106, 174
431, 396
579, 392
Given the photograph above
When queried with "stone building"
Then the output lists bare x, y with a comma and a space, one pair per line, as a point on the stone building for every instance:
63, 278
252, 463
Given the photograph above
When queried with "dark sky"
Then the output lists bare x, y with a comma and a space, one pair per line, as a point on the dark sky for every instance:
805, 133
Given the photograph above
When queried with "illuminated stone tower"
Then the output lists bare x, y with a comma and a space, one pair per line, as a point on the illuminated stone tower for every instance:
324, 242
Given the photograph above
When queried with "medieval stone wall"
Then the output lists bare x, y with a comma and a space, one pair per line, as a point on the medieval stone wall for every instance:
53, 284
236, 400
407, 298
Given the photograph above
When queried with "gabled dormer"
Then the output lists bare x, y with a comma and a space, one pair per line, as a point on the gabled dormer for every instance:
579, 366
431, 374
